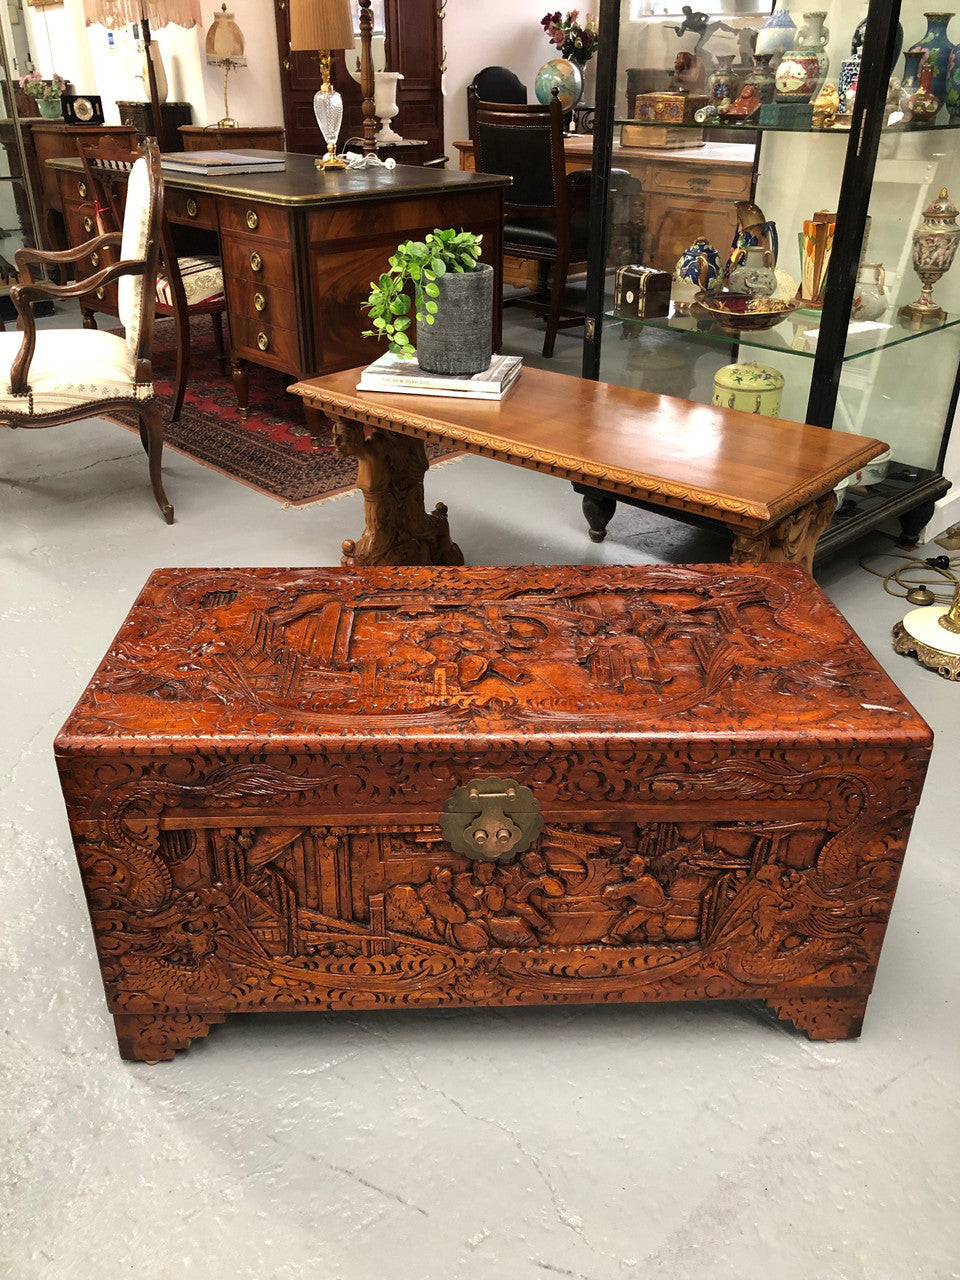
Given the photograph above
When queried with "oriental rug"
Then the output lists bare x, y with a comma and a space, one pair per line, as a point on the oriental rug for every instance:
271, 450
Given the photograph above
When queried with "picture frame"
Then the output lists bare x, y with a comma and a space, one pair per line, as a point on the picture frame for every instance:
82, 108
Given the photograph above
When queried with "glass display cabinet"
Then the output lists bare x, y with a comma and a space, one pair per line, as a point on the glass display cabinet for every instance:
842, 183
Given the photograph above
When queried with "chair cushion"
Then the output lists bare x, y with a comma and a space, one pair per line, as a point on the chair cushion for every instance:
535, 234
202, 281
137, 223
70, 367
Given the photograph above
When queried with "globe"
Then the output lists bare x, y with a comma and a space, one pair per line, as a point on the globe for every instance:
562, 75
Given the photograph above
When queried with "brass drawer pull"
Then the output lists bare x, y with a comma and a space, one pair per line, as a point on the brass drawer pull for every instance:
87, 223
94, 259
101, 293
699, 184
491, 819
253, 220
263, 342
256, 262
260, 302
192, 208
81, 189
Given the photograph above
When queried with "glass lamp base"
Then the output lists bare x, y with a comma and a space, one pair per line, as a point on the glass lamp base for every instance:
328, 108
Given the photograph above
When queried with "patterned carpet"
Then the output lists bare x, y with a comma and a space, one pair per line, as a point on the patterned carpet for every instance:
271, 450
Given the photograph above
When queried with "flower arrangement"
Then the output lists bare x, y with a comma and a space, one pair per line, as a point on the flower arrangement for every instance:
575, 42
44, 91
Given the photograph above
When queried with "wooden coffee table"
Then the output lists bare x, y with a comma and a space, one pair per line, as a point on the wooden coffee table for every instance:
769, 481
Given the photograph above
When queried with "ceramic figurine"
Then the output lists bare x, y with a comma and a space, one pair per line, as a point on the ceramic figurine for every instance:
746, 105
934, 248
825, 106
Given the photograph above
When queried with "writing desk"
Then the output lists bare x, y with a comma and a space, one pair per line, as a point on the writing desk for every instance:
300, 247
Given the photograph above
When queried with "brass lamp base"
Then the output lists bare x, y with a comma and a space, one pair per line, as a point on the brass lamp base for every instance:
330, 161
228, 123
932, 636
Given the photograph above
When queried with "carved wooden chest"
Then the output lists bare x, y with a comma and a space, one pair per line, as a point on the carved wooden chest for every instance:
336, 789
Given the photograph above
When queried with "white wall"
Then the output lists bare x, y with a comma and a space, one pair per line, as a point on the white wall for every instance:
86, 56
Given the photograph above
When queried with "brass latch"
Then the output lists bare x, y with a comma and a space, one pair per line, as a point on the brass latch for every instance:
491, 819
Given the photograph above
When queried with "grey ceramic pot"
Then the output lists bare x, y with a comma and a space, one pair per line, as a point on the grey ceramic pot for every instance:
460, 340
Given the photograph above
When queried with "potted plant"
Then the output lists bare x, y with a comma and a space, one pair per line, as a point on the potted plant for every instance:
47, 93
452, 303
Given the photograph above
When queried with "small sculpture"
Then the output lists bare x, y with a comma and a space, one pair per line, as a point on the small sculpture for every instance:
934, 248
746, 105
825, 106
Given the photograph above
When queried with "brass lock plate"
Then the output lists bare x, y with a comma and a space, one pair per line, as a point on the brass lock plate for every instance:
491, 819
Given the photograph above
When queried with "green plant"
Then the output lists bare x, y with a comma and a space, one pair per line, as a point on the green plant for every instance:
42, 90
416, 264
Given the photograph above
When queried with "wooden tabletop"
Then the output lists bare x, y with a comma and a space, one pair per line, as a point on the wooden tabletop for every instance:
301, 183
743, 468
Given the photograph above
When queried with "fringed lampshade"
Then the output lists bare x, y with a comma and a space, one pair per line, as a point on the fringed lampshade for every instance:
224, 48
322, 25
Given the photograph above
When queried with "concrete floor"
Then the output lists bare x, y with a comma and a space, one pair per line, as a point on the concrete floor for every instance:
673, 1142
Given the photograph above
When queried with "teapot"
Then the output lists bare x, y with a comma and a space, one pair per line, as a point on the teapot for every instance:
869, 297
752, 272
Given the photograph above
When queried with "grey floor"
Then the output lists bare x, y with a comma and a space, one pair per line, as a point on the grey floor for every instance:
698, 1142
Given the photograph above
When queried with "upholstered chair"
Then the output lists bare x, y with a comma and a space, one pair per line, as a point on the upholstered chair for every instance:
65, 375
186, 285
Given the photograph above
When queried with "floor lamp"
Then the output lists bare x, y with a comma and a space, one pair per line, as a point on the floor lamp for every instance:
154, 14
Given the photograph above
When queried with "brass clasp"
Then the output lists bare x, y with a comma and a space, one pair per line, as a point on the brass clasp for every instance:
491, 819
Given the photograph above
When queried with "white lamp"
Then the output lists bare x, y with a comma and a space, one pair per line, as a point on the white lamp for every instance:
932, 635
224, 48
323, 25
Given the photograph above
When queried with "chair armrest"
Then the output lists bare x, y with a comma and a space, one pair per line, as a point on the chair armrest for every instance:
22, 295
38, 257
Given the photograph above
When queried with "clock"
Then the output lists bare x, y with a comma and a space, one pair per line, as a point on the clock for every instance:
82, 108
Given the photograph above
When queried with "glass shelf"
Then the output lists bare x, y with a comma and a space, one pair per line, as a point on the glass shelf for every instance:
752, 126
797, 335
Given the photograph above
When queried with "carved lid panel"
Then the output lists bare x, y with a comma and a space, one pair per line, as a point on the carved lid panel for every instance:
250, 656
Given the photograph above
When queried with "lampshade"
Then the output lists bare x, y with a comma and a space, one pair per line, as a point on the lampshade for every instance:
114, 14
224, 42
321, 24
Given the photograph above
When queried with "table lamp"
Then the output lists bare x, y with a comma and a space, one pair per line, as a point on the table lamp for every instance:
224, 48
323, 25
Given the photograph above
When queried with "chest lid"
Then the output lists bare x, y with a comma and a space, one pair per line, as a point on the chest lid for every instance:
256, 657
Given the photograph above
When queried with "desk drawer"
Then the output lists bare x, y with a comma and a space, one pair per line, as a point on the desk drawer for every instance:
191, 208
719, 184
254, 338
258, 221
254, 298
257, 263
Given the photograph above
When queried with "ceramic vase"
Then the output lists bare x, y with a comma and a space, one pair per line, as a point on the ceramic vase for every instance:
762, 77
923, 105
699, 267
869, 296
910, 81
723, 83
952, 96
934, 248
751, 271
51, 109
816, 248
798, 76
938, 46
385, 105
849, 72
461, 337
753, 231
777, 35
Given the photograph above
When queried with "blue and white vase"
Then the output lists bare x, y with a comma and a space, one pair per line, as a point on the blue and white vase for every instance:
777, 35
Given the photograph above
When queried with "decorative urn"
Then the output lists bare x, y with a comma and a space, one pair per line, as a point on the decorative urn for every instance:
934, 248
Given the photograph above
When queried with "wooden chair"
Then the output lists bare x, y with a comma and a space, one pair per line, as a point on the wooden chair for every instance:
61, 375
546, 212
186, 286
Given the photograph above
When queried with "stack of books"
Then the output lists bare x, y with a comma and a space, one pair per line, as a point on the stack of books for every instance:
210, 163
399, 376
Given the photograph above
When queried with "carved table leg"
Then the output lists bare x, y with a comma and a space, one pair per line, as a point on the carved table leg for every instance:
155, 1037
398, 529
823, 1017
241, 385
598, 509
791, 540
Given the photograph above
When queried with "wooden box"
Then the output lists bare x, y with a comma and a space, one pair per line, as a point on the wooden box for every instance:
668, 108
641, 292
335, 789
